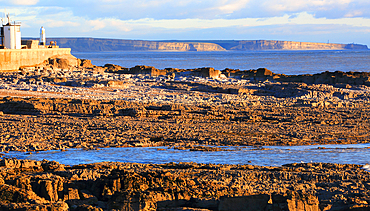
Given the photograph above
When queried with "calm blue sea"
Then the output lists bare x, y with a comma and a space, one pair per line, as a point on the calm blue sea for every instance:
286, 62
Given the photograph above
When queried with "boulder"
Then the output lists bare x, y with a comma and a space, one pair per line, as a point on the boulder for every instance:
207, 72
142, 69
113, 68
117, 84
63, 61
85, 63
25, 164
263, 72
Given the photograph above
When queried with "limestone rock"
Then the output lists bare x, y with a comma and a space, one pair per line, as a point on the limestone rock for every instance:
207, 72
85, 63
64, 61
186, 186
146, 70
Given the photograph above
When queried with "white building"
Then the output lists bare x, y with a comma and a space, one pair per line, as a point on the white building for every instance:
12, 35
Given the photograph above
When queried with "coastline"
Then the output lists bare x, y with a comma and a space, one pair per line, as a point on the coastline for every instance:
101, 44
57, 106
188, 106
282, 62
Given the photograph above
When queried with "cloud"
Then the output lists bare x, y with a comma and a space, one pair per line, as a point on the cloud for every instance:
167, 19
18, 2
107, 25
96, 24
58, 24
354, 13
24, 2
232, 6
301, 18
206, 9
319, 8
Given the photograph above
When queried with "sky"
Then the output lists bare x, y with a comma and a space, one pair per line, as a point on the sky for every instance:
334, 21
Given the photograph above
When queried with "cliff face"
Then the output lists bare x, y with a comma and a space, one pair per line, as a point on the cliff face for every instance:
290, 45
92, 44
95, 44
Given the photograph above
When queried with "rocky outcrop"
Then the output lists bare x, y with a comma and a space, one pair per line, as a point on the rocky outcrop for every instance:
182, 186
205, 72
64, 61
291, 202
337, 78
145, 70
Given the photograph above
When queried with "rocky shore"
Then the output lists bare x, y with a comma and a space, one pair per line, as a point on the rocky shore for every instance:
56, 106
48, 185
32, 124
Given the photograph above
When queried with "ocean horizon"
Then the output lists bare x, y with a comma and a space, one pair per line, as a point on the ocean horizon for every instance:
278, 61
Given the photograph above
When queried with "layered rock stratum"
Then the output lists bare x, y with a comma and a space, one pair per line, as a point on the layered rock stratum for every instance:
98, 44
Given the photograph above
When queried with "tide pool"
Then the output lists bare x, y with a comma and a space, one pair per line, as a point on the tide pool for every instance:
266, 156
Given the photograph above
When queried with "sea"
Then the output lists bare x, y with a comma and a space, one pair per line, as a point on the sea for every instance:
282, 62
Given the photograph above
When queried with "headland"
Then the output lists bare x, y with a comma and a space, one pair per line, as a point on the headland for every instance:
99, 44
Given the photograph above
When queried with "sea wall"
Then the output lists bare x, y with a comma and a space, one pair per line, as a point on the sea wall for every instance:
13, 59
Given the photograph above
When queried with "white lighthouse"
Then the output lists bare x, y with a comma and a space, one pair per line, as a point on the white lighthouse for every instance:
12, 35
42, 36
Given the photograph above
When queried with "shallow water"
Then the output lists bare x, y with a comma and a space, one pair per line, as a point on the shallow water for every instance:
271, 156
286, 62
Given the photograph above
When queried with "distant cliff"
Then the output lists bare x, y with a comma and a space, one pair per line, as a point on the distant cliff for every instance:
290, 45
97, 44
